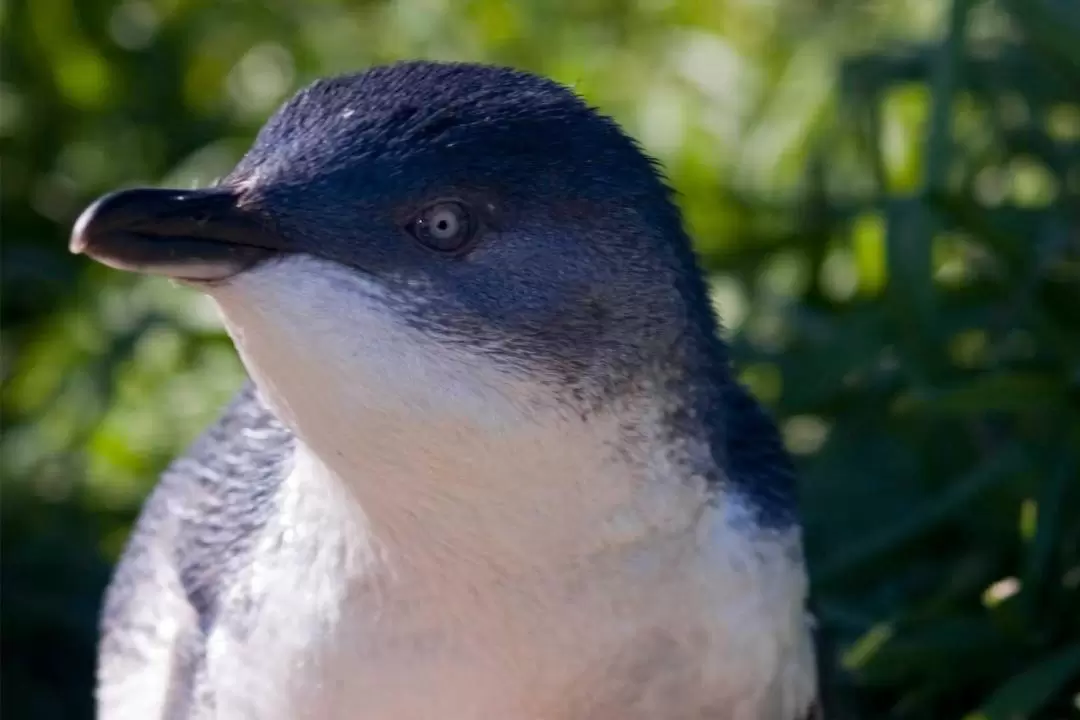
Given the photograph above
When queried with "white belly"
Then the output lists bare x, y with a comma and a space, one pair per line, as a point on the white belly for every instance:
709, 626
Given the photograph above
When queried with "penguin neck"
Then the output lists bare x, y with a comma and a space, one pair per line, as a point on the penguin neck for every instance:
450, 454
539, 496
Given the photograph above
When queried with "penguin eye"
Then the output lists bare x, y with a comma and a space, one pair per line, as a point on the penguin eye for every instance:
445, 226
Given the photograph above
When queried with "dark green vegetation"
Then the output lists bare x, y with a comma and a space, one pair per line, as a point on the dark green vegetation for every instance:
888, 194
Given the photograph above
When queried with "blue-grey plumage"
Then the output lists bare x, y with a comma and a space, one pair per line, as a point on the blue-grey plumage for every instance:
493, 462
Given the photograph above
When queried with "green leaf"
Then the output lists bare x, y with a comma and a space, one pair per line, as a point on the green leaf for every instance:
929, 516
1048, 529
993, 392
1053, 28
1032, 689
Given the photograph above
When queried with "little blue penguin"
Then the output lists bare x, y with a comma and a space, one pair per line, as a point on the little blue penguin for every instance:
492, 463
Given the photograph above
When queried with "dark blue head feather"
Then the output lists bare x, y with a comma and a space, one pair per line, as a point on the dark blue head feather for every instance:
584, 272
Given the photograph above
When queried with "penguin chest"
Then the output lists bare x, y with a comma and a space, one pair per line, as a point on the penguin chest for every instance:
337, 636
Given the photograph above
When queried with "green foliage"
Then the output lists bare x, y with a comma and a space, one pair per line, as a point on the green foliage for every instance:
885, 193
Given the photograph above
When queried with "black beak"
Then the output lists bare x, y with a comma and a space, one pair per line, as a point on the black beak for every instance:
197, 235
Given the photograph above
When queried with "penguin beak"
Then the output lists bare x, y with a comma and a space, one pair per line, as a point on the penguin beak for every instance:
190, 235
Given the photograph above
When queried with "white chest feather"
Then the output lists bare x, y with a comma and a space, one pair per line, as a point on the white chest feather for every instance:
705, 624
448, 548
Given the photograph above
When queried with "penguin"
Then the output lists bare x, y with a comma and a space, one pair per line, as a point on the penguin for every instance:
492, 461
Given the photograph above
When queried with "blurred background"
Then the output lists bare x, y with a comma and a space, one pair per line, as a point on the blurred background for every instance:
885, 192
